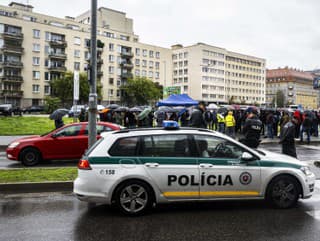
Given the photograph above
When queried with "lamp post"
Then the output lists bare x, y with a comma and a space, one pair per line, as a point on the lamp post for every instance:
92, 129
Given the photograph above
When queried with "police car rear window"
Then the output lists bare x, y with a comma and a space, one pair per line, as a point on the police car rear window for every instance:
125, 147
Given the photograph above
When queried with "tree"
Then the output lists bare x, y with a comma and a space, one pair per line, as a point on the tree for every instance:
140, 91
279, 99
63, 88
51, 104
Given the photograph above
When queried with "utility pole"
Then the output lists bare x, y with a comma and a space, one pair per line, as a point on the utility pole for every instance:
92, 128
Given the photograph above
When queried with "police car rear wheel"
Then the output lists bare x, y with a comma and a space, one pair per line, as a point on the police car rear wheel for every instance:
283, 192
134, 197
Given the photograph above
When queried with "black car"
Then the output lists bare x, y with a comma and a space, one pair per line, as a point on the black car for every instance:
10, 110
34, 109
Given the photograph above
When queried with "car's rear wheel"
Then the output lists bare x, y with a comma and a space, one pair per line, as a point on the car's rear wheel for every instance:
134, 197
283, 192
30, 156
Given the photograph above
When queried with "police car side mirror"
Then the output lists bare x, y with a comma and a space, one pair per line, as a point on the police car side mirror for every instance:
246, 156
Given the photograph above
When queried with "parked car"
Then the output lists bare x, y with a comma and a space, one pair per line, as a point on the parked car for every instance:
9, 110
75, 110
67, 142
34, 109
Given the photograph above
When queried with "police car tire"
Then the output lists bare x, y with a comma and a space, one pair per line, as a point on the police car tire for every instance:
134, 184
30, 156
283, 192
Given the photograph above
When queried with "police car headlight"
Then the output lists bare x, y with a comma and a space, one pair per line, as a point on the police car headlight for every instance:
306, 170
14, 144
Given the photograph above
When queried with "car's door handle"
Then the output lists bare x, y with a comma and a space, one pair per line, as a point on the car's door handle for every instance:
151, 164
205, 165
236, 163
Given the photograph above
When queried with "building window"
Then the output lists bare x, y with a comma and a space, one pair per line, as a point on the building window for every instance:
36, 33
36, 74
76, 65
144, 63
111, 47
35, 60
150, 64
77, 40
111, 81
46, 49
157, 65
111, 58
157, 55
35, 88
137, 52
36, 47
157, 75
47, 90
151, 54
185, 54
150, 74
145, 53
137, 72
137, 62
77, 53
185, 88
111, 69
144, 73
118, 93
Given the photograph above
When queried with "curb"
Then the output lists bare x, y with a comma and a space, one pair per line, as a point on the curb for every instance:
31, 187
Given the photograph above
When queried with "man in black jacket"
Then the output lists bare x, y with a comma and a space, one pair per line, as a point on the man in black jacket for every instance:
251, 130
287, 135
197, 117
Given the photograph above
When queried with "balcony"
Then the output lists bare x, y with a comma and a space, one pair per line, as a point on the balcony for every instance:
99, 61
12, 35
126, 65
11, 93
57, 55
99, 73
127, 75
11, 64
57, 68
58, 43
11, 78
12, 49
126, 54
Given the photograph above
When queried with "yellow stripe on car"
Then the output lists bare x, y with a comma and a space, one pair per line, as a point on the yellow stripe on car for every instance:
209, 193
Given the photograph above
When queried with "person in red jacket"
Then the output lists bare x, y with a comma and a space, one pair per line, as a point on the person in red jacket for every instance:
298, 116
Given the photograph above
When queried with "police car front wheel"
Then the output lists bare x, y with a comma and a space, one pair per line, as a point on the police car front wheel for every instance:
133, 197
283, 192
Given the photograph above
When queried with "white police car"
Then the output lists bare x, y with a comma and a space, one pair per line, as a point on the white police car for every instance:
135, 169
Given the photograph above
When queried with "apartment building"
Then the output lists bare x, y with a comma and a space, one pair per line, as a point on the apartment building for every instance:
296, 85
36, 49
214, 74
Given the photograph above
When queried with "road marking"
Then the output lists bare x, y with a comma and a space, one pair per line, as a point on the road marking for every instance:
311, 147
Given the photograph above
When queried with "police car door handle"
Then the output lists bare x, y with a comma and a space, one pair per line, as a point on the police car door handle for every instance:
236, 163
151, 164
205, 165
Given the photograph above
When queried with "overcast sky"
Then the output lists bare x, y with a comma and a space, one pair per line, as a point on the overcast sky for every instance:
284, 32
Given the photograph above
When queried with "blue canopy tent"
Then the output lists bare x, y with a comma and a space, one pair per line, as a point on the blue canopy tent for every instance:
178, 100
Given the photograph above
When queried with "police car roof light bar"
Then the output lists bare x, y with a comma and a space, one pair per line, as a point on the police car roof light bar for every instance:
170, 125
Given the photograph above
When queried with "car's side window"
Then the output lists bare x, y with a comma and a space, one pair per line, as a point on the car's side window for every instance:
100, 129
165, 146
215, 147
70, 131
125, 147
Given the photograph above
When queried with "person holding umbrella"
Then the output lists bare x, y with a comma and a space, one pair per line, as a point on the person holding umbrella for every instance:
57, 117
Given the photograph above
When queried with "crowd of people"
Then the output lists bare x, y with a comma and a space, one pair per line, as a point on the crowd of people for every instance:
249, 125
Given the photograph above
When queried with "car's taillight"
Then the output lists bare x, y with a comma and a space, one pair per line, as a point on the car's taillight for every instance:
84, 165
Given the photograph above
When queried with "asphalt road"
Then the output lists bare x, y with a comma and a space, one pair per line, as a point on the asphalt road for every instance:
41, 217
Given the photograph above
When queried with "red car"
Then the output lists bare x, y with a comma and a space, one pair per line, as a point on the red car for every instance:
67, 142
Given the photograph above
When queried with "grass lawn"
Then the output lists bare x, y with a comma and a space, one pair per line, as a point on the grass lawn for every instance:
38, 175
27, 125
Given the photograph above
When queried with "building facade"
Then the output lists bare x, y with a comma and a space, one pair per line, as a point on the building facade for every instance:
296, 85
36, 49
214, 74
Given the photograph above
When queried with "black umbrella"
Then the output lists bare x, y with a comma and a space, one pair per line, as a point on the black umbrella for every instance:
58, 114
135, 109
112, 106
121, 109
222, 110
168, 109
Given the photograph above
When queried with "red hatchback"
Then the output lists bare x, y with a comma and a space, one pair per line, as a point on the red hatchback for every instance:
67, 142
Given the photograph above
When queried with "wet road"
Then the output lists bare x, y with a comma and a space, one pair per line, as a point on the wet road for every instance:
62, 217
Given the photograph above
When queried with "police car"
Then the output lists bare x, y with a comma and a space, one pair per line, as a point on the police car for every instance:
135, 169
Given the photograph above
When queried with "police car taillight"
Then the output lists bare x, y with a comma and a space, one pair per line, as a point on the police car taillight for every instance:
170, 125
84, 165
